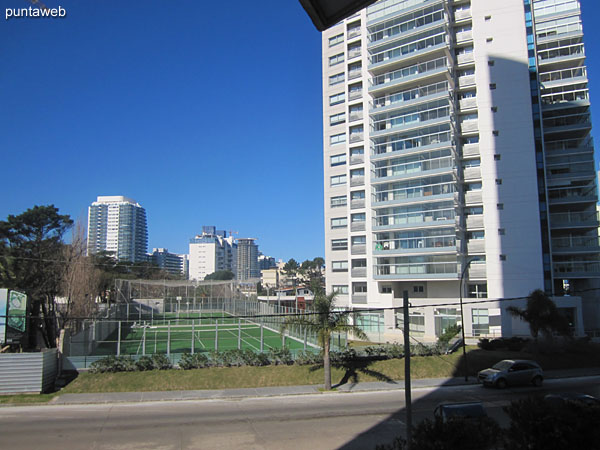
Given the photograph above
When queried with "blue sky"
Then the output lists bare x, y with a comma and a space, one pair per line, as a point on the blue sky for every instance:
205, 114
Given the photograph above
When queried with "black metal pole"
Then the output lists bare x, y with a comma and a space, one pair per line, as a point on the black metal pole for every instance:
462, 319
407, 396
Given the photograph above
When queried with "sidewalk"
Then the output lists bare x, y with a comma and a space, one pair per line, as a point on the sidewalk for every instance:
133, 397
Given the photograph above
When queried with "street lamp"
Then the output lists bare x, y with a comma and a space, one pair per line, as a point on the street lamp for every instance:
462, 318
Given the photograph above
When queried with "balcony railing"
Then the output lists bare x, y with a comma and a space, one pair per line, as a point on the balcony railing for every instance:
414, 192
358, 226
567, 219
477, 270
356, 137
414, 218
416, 269
354, 74
565, 74
465, 58
359, 272
353, 32
469, 126
358, 249
461, 14
353, 95
355, 116
575, 268
359, 299
546, 56
473, 197
576, 242
467, 103
472, 173
357, 204
399, 98
470, 150
406, 72
476, 245
414, 167
410, 245
357, 159
466, 80
357, 181
354, 53
475, 221
462, 36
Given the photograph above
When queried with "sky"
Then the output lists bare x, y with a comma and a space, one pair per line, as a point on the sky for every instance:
205, 114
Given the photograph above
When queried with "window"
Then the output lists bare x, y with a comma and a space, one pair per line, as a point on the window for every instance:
495, 132
336, 119
477, 290
337, 98
359, 288
357, 195
357, 151
419, 289
337, 39
339, 266
500, 206
496, 157
339, 222
357, 173
386, 289
358, 263
359, 217
444, 318
498, 181
339, 244
336, 202
501, 231
336, 59
337, 139
481, 321
336, 79
359, 240
338, 160
341, 289
338, 180
494, 109
488, 18
502, 257
490, 39
492, 86
491, 62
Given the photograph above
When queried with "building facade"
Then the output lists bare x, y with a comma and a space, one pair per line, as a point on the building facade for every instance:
117, 224
170, 262
247, 260
459, 163
210, 252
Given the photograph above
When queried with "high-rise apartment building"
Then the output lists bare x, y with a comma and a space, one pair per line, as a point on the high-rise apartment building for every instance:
210, 252
117, 224
170, 262
459, 162
247, 260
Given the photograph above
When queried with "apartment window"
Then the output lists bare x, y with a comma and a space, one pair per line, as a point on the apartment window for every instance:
338, 160
495, 132
478, 290
386, 289
339, 266
339, 222
500, 206
359, 263
341, 289
359, 288
481, 321
337, 119
337, 98
502, 257
501, 231
338, 180
336, 59
339, 201
359, 240
496, 157
490, 39
491, 62
337, 79
492, 86
498, 181
357, 195
488, 18
494, 109
419, 289
337, 139
357, 173
357, 151
338, 39
359, 217
339, 244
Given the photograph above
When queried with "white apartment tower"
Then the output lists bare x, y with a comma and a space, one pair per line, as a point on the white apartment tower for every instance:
459, 162
210, 252
117, 224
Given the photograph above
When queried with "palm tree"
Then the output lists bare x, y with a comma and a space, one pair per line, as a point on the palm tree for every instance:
542, 315
324, 320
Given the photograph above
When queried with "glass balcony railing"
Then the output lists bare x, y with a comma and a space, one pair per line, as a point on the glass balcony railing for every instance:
416, 269
410, 71
415, 192
414, 244
414, 218
576, 242
546, 56
567, 219
414, 167
399, 98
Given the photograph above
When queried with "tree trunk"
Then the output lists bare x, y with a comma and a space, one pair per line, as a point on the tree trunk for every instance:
327, 362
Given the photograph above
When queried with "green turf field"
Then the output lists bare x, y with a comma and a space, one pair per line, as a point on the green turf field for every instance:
194, 332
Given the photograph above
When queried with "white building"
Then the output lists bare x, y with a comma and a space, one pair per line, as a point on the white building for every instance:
210, 252
457, 143
117, 224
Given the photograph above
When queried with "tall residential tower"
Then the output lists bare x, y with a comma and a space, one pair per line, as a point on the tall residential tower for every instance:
459, 162
117, 224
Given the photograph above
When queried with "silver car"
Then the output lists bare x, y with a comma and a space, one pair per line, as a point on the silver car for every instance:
512, 372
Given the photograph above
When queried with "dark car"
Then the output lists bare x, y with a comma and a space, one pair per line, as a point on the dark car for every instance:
469, 410
511, 373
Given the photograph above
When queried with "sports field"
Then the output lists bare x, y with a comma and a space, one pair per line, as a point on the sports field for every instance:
193, 332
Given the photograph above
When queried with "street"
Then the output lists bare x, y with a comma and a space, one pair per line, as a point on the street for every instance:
323, 421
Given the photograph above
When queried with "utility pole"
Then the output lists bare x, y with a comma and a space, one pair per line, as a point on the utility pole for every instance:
407, 393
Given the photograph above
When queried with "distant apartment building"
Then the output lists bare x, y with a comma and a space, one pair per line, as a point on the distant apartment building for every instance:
247, 260
210, 252
266, 262
170, 262
459, 162
117, 224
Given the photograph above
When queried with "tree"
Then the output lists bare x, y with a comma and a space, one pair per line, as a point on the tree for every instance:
30, 248
220, 275
291, 270
324, 320
542, 315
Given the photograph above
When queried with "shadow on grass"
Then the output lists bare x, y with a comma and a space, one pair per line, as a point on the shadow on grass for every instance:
352, 370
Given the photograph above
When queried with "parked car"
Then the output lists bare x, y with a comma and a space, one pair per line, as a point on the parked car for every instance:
512, 372
559, 399
470, 410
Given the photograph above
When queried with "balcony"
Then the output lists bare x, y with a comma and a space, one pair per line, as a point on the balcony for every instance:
562, 77
465, 58
353, 95
560, 54
435, 244
420, 219
466, 81
477, 270
416, 271
473, 197
470, 150
353, 32
354, 53
462, 14
358, 249
357, 204
356, 137
469, 126
476, 246
572, 195
397, 56
576, 269
574, 220
358, 272
417, 72
359, 299
464, 36
353, 117
357, 181
475, 221
357, 159
576, 244
467, 103
352, 74
358, 226
472, 173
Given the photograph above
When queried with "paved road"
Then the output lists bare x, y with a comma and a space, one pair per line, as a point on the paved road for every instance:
322, 421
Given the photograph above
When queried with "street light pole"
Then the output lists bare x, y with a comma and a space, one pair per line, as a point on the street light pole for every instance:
462, 318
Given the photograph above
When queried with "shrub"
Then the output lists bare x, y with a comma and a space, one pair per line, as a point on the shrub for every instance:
195, 361
281, 356
304, 358
144, 363
113, 364
161, 362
